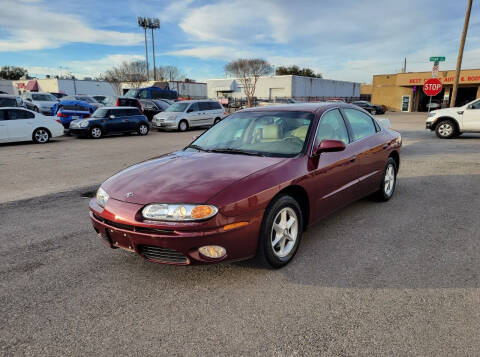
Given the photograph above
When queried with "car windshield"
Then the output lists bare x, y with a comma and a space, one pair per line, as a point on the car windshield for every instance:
44, 97
132, 93
177, 107
264, 133
87, 99
100, 113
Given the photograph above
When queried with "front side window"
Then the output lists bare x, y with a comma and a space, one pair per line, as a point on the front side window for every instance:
100, 113
361, 123
332, 127
194, 107
476, 105
269, 133
17, 114
177, 107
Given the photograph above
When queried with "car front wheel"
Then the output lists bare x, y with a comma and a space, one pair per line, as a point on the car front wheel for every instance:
96, 132
281, 232
445, 129
183, 125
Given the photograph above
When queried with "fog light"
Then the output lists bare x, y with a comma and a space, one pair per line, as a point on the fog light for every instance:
212, 251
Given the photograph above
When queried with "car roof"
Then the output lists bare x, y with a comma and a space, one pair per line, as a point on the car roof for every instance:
195, 100
302, 107
122, 107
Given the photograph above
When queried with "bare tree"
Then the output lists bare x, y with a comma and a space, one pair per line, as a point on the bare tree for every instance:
133, 73
171, 73
248, 71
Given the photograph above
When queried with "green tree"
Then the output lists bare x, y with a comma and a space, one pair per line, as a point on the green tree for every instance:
12, 72
297, 71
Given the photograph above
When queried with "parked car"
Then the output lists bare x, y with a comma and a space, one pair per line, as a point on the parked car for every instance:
86, 98
117, 101
111, 120
7, 100
39, 102
58, 95
151, 107
189, 113
69, 110
99, 98
248, 186
451, 122
369, 107
20, 124
152, 93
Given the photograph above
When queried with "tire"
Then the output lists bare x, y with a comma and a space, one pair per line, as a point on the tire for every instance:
183, 125
445, 129
277, 246
143, 129
389, 181
216, 121
41, 136
96, 132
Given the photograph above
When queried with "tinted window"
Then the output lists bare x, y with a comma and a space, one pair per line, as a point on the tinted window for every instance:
100, 113
76, 108
143, 94
16, 114
177, 107
476, 105
133, 103
148, 105
2, 114
204, 106
332, 127
44, 97
118, 112
131, 112
361, 123
8, 102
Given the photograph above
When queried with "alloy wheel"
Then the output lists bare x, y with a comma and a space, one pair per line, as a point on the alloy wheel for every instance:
445, 129
182, 126
41, 136
284, 232
96, 133
143, 129
389, 180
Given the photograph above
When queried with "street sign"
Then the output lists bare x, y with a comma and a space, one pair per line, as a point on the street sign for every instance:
432, 87
437, 59
435, 71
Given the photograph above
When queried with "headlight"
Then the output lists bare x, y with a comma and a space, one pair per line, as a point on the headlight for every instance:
178, 212
83, 124
102, 197
431, 114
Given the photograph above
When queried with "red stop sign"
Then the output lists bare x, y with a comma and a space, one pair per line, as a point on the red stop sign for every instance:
432, 87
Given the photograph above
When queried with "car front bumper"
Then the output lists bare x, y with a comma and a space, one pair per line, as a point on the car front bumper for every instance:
173, 243
429, 125
78, 131
164, 125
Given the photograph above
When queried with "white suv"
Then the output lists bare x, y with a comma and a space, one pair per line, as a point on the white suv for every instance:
451, 122
189, 113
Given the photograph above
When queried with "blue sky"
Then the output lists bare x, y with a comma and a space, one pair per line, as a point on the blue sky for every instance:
342, 39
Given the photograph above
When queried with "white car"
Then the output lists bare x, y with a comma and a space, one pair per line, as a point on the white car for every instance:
189, 113
450, 122
18, 124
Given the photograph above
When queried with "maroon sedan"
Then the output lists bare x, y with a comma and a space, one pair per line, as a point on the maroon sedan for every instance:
249, 186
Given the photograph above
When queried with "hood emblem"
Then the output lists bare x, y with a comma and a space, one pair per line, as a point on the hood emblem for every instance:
129, 194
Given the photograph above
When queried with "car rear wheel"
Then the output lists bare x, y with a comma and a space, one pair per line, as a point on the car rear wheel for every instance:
183, 125
281, 232
216, 121
96, 132
143, 129
41, 136
389, 181
445, 129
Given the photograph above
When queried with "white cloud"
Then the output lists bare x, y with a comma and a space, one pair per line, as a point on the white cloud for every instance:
32, 27
80, 69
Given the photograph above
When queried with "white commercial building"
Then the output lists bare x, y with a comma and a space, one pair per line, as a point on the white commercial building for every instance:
67, 86
288, 86
185, 89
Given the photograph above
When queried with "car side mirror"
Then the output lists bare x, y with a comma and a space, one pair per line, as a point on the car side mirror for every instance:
112, 116
329, 146
470, 106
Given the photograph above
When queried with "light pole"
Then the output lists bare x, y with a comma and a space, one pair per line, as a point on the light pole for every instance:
142, 22
153, 24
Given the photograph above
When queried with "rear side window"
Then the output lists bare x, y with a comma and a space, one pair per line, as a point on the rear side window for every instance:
214, 105
204, 106
362, 125
17, 114
8, 102
148, 105
131, 112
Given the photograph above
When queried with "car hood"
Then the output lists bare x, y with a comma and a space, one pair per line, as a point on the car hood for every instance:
448, 111
183, 177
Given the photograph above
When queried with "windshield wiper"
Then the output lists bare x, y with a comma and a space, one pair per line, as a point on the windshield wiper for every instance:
199, 148
236, 151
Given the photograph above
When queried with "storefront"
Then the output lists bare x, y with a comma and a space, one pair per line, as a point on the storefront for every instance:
403, 91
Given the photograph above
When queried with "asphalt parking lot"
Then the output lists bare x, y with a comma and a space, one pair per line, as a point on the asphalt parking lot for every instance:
395, 278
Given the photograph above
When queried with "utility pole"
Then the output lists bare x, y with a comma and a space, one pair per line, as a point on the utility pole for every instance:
153, 25
405, 66
460, 54
142, 22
